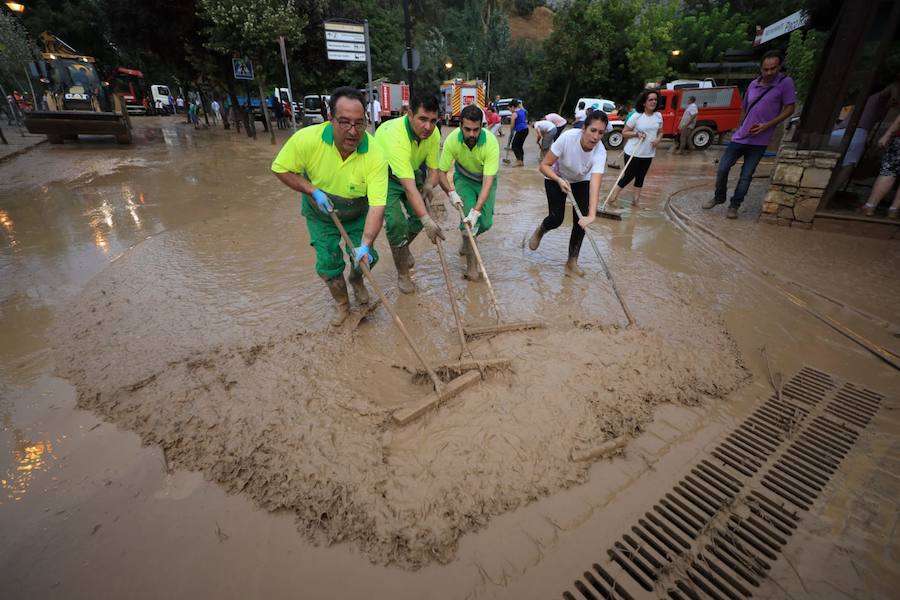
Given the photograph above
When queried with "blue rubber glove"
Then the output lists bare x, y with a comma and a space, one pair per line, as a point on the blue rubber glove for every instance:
361, 252
322, 201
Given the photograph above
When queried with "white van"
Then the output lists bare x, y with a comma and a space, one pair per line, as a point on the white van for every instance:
690, 83
160, 92
313, 107
607, 106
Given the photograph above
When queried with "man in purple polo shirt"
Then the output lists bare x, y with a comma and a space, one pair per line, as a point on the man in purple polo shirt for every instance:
769, 100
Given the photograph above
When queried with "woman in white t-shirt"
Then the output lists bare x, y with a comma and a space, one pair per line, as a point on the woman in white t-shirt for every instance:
643, 131
574, 165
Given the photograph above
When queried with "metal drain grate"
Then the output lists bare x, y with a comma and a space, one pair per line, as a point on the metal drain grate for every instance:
720, 529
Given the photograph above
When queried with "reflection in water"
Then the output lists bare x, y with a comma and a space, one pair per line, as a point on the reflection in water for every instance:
29, 458
100, 240
9, 230
132, 207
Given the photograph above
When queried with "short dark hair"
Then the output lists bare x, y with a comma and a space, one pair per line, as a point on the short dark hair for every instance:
692, 98
642, 99
428, 102
597, 115
580, 105
345, 92
471, 113
772, 54
514, 102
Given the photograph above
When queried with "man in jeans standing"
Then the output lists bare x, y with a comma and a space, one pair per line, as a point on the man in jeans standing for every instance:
769, 100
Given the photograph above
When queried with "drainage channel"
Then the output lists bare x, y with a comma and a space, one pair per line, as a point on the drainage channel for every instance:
720, 529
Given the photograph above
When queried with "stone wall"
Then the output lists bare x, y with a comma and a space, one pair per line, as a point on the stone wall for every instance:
798, 184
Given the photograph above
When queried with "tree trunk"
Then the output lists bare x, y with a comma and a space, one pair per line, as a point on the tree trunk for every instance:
265, 110
565, 95
203, 104
232, 92
3, 137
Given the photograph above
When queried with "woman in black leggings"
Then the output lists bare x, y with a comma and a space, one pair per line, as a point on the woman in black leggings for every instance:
573, 165
643, 131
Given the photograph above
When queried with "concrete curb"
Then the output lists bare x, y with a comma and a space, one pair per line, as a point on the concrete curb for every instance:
22, 151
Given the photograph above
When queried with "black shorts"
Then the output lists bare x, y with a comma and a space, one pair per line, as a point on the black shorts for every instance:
637, 170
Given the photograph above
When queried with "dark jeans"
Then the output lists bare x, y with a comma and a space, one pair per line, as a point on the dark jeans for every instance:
557, 202
752, 154
518, 144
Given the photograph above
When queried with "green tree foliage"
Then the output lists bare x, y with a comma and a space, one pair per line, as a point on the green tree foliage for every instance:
754, 12
705, 35
804, 49
83, 24
15, 48
526, 7
250, 28
605, 48
650, 41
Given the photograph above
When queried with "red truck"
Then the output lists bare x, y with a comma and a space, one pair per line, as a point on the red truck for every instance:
720, 112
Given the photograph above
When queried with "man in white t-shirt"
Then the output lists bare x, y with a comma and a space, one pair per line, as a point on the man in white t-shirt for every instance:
376, 108
546, 134
686, 126
574, 165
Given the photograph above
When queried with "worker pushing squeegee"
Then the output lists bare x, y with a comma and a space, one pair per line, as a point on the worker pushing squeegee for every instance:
574, 165
476, 155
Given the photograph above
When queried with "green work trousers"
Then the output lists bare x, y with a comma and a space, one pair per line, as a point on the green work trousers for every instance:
326, 239
468, 190
400, 219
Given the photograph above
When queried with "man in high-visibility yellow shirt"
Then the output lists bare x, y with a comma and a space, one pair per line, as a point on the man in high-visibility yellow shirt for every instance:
337, 167
408, 143
477, 156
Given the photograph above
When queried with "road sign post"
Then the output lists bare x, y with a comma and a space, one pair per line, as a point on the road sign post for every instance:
287, 75
243, 69
348, 41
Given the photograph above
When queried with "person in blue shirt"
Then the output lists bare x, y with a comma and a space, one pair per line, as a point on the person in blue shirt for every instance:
519, 127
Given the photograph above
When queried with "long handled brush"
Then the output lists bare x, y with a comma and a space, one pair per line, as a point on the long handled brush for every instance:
442, 391
602, 211
606, 270
463, 344
500, 326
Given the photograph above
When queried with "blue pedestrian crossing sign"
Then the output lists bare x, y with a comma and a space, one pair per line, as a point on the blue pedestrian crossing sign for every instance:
243, 68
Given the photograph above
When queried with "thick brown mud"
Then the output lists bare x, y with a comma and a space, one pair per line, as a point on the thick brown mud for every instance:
300, 419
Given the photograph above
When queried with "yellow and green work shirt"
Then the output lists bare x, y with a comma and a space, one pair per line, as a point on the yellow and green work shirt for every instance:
482, 160
403, 153
311, 152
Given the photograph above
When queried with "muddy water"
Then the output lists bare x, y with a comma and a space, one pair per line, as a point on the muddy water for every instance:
164, 285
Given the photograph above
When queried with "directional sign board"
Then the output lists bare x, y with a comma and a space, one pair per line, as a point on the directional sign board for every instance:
345, 41
243, 68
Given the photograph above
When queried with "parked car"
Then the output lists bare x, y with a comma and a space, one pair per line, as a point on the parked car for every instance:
503, 109
313, 107
719, 112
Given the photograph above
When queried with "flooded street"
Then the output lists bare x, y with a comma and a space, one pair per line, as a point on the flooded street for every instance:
178, 420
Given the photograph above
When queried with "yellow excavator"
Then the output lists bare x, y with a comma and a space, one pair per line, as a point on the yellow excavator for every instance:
75, 100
